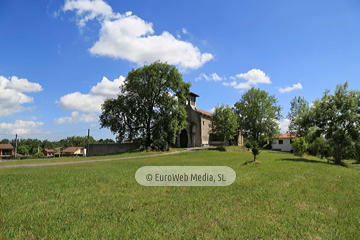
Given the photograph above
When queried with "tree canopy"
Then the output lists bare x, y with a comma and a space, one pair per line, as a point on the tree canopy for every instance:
298, 116
150, 107
224, 122
259, 115
337, 117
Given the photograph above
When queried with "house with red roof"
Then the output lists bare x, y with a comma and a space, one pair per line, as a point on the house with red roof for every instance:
197, 132
283, 142
6, 151
48, 152
74, 151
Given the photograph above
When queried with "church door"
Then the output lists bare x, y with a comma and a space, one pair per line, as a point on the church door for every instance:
183, 139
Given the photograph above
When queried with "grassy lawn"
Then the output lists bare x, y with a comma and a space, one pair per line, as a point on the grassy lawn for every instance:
74, 159
280, 197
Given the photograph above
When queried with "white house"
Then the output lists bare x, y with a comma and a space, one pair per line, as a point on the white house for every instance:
283, 142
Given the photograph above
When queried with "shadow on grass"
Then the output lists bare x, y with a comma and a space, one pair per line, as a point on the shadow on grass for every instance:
312, 161
251, 162
218, 149
301, 160
277, 152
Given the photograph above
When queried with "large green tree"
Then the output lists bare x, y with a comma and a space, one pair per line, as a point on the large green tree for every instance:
298, 116
224, 123
259, 115
337, 117
150, 107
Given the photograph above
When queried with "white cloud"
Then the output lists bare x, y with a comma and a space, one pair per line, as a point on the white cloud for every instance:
284, 124
88, 10
20, 127
108, 88
185, 31
23, 85
212, 110
204, 42
129, 37
12, 96
88, 105
91, 102
82, 102
252, 77
211, 77
232, 84
289, 89
77, 117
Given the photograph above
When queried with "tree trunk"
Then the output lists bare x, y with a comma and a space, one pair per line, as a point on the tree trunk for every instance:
338, 156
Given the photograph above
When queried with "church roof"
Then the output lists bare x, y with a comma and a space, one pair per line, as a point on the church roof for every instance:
203, 112
194, 94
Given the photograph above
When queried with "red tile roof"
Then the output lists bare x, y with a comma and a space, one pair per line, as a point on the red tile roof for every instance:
72, 149
203, 112
6, 146
49, 150
286, 135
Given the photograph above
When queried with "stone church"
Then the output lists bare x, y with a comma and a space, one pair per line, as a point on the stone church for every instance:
197, 132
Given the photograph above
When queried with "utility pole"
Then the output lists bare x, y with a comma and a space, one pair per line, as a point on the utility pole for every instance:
87, 147
15, 145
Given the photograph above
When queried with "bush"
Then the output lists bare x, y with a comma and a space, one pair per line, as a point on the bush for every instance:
326, 151
221, 149
316, 146
357, 151
39, 155
255, 150
299, 146
267, 146
247, 144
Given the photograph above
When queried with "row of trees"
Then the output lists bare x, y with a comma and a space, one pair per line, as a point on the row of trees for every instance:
255, 115
329, 127
150, 110
34, 146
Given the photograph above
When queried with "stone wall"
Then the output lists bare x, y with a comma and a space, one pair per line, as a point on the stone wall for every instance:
100, 149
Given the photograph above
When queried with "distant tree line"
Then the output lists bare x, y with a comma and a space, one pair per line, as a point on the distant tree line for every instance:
34, 146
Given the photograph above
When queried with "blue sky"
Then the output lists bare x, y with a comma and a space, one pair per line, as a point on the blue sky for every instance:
60, 59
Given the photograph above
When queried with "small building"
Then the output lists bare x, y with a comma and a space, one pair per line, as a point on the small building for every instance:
74, 151
197, 132
48, 152
283, 142
6, 151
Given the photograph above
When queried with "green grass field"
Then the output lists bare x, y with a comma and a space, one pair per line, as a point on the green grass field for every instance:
281, 197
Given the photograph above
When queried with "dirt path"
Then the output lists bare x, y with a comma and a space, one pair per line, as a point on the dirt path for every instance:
101, 160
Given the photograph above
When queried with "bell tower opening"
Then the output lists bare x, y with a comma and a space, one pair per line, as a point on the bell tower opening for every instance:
192, 99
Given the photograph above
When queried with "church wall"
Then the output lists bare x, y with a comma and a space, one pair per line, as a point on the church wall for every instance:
205, 130
192, 126
198, 129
